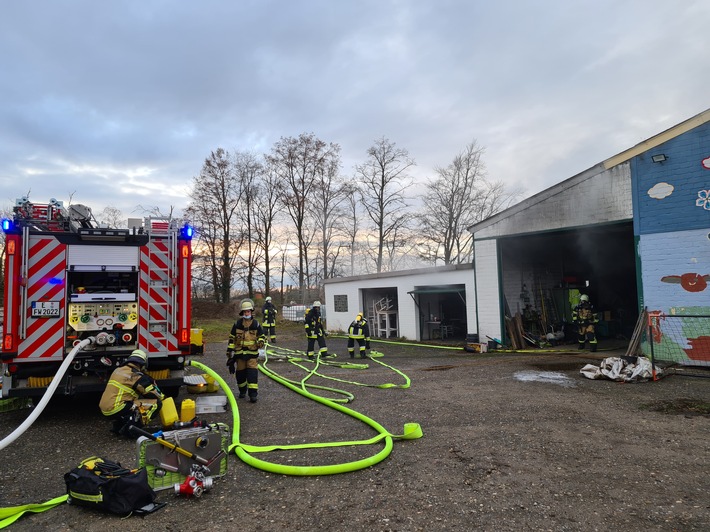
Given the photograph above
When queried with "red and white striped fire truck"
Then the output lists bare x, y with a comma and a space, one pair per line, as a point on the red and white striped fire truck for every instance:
67, 279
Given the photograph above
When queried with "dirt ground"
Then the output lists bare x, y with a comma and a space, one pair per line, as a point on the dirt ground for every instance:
511, 442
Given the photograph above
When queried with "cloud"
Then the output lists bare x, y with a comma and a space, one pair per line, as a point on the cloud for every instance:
661, 190
97, 94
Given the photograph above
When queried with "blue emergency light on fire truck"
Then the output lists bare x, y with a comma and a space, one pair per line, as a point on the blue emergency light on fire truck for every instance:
66, 280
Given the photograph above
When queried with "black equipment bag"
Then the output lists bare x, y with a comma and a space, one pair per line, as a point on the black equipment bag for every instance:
106, 485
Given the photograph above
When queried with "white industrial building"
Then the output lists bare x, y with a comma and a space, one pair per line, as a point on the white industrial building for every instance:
419, 304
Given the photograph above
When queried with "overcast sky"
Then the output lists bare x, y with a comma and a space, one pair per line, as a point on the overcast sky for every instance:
119, 103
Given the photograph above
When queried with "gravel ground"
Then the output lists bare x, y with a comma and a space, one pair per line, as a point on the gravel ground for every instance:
503, 449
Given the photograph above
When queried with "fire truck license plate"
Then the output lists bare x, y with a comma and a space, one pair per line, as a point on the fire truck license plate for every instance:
45, 309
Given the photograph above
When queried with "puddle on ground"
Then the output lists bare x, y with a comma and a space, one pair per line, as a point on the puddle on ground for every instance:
552, 377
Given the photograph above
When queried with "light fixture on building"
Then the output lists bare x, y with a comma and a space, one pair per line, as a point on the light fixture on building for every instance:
659, 158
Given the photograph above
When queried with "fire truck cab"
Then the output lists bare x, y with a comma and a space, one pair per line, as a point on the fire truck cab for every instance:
67, 279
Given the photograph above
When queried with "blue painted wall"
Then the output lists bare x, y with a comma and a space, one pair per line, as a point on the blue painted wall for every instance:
672, 220
673, 195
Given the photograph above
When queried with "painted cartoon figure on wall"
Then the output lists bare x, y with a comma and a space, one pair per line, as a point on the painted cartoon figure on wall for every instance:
692, 282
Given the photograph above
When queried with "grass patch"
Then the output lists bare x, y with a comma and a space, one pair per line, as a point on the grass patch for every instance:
217, 329
214, 329
680, 406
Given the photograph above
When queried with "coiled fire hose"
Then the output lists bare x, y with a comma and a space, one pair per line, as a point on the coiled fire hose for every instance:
296, 357
245, 451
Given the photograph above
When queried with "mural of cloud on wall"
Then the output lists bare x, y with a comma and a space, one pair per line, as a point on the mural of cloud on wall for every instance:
661, 190
706, 163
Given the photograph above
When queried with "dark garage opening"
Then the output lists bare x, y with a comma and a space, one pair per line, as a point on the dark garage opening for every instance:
442, 311
542, 275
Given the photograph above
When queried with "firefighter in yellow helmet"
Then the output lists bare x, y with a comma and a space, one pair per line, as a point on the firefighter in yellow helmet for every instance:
359, 330
246, 339
315, 332
269, 312
585, 318
131, 396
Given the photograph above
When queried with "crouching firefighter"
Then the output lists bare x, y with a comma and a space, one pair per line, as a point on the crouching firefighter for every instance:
131, 396
245, 340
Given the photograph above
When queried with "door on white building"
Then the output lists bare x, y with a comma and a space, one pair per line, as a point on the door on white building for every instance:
441, 311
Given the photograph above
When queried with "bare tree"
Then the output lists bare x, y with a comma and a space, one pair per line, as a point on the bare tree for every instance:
351, 223
155, 211
383, 181
298, 162
329, 194
283, 244
267, 210
248, 171
215, 198
459, 197
112, 217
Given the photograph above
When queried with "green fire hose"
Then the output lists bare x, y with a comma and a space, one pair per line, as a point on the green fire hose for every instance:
245, 451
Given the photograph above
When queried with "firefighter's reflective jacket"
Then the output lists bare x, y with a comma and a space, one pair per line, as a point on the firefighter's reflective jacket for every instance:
269, 312
313, 324
359, 329
583, 314
246, 337
127, 384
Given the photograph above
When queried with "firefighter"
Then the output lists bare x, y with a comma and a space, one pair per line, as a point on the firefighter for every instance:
244, 349
131, 396
585, 318
269, 312
315, 331
359, 330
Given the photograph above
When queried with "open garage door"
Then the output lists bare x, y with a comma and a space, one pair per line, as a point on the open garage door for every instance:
382, 311
543, 274
441, 310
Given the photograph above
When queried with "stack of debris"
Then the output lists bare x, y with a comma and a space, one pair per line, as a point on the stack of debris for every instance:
626, 369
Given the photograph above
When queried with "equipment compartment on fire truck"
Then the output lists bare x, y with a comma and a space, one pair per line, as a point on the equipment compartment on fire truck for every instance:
66, 280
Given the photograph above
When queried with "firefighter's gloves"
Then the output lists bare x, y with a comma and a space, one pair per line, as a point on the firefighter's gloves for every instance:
231, 361
152, 389
158, 394
260, 343
135, 416
325, 333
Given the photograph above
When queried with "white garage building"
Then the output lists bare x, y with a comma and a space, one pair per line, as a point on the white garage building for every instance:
420, 304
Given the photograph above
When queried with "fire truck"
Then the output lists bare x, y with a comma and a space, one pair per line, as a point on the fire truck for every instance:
67, 279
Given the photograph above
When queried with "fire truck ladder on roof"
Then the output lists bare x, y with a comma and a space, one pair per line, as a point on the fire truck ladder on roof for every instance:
156, 279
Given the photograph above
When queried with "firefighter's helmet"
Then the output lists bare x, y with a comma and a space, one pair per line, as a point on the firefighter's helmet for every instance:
358, 317
584, 298
316, 304
138, 357
247, 304
268, 299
